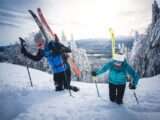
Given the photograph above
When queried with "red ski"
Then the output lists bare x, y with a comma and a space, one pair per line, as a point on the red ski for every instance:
43, 20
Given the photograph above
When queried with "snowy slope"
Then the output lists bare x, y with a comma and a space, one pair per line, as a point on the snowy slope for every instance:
19, 101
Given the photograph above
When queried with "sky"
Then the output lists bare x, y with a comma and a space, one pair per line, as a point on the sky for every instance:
80, 18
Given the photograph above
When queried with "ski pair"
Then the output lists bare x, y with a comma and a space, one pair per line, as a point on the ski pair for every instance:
70, 60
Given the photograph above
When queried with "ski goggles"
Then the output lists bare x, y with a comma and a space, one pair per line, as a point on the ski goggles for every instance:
118, 63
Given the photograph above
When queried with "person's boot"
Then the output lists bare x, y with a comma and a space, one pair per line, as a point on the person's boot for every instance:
59, 88
119, 102
114, 101
74, 88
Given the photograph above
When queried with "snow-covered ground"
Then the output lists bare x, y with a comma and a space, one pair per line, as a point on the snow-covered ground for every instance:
19, 101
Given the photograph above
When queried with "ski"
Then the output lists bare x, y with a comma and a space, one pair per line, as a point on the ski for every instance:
113, 41
38, 22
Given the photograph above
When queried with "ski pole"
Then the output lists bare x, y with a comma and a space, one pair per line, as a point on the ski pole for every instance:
29, 76
134, 93
30, 79
94, 78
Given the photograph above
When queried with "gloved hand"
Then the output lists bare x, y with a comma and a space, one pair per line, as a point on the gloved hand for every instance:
131, 86
93, 73
54, 46
23, 43
62, 50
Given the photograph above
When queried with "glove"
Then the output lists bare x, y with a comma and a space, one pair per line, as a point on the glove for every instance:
23, 43
131, 86
62, 50
54, 47
93, 73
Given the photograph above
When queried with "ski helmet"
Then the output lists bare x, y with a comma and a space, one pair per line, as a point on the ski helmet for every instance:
119, 55
38, 38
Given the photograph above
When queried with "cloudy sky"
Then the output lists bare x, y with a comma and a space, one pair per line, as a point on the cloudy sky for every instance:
82, 18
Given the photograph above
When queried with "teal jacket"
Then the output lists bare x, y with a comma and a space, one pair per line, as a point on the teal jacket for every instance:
118, 76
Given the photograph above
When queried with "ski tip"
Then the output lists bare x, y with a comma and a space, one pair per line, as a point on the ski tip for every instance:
31, 12
38, 9
110, 29
21, 39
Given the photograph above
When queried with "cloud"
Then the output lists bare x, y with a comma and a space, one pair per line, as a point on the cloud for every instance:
8, 24
12, 14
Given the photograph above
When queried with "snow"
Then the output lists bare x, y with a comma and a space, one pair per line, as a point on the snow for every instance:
19, 101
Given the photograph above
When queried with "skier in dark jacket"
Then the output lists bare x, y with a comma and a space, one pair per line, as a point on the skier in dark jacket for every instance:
118, 70
57, 59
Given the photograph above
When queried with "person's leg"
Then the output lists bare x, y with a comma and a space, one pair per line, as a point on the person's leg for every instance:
58, 78
112, 92
67, 82
120, 93
67, 79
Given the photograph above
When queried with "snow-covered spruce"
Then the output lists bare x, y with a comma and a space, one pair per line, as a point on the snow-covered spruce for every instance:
146, 49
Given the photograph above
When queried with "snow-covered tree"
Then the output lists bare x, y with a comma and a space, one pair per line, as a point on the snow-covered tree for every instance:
146, 49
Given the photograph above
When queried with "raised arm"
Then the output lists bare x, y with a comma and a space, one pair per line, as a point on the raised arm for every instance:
36, 57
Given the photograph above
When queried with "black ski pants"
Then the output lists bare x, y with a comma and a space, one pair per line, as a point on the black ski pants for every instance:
116, 93
62, 80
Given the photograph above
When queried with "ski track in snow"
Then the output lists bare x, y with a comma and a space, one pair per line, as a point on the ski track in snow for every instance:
19, 101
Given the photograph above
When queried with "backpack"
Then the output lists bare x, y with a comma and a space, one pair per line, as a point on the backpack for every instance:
56, 60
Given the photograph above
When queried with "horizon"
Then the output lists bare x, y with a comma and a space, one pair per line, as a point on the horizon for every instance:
118, 38
88, 19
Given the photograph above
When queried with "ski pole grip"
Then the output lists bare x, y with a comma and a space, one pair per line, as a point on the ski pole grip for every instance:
22, 41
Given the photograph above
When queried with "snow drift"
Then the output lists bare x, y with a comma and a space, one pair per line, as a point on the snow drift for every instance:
21, 102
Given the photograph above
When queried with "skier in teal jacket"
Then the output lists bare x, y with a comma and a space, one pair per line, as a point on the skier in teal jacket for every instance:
118, 70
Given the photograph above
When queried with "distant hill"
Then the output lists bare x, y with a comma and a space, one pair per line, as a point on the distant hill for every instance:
103, 46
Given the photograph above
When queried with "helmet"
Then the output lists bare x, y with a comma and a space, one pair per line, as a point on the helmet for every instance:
38, 38
119, 57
